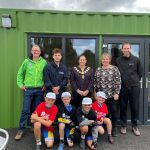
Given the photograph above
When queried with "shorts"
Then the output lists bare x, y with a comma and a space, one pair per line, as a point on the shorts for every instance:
48, 135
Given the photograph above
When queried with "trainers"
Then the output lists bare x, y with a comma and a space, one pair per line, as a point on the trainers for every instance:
136, 131
110, 139
61, 146
123, 130
38, 147
82, 144
70, 141
19, 135
94, 145
114, 132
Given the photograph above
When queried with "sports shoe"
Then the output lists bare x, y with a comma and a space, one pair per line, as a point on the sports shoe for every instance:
19, 135
114, 132
61, 146
70, 141
82, 144
38, 147
136, 131
94, 145
123, 130
110, 139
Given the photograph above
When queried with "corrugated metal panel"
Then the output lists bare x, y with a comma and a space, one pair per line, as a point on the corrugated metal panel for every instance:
13, 44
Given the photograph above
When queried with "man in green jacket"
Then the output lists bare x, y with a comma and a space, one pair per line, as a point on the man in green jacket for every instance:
30, 80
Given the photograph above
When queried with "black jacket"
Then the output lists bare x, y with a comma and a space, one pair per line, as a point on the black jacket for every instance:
130, 69
82, 116
65, 114
55, 76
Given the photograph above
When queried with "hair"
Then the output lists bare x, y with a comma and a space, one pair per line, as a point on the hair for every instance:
56, 50
106, 55
81, 56
42, 53
126, 43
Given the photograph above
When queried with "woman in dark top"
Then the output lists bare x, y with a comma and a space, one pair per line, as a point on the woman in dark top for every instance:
81, 81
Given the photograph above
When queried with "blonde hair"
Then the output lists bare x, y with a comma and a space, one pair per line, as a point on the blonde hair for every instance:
106, 55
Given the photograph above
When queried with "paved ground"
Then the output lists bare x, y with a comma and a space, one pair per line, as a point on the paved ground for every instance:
122, 142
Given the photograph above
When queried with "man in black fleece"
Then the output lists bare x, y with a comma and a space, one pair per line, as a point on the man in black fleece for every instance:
131, 73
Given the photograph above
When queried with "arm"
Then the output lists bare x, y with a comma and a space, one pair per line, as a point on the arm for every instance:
35, 118
73, 80
139, 69
63, 84
90, 86
47, 80
20, 75
117, 83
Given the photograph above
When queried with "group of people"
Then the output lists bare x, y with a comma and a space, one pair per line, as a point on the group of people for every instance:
107, 85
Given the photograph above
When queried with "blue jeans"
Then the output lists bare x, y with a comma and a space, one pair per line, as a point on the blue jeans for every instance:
31, 94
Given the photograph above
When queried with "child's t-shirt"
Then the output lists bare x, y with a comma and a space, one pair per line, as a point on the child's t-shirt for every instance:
101, 110
51, 113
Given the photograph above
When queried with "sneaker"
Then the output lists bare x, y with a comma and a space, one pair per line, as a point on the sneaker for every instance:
114, 132
123, 130
110, 139
136, 131
38, 147
94, 145
19, 135
61, 146
70, 141
82, 144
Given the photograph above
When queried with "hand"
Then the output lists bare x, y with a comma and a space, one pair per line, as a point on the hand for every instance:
23, 88
43, 88
91, 121
72, 124
85, 93
56, 90
34, 117
80, 92
45, 117
116, 97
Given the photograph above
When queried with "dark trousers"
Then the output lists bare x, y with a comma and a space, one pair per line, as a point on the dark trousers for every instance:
31, 94
77, 99
131, 95
112, 107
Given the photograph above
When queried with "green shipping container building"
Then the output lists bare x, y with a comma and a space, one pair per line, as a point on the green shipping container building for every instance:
75, 33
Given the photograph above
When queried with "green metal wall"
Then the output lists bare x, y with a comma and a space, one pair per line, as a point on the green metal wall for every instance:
13, 44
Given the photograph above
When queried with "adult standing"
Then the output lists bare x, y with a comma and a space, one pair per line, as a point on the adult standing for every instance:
81, 81
131, 73
56, 76
30, 80
107, 79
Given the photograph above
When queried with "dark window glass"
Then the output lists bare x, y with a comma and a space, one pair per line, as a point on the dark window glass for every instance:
47, 44
76, 47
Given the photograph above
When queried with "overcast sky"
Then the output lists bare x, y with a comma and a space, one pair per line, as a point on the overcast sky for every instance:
80, 5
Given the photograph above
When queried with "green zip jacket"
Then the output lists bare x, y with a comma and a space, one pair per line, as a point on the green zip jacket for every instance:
30, 73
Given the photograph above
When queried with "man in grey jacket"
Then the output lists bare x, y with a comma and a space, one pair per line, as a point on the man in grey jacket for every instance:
131, 73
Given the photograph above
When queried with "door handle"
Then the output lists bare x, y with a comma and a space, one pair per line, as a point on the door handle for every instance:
147, 82
141, 83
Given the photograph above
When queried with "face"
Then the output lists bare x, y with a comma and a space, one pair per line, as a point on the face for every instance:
66, 100
105, 61
100, 99
35, 51
86, 107
82, 61
57, 57
49, 102
126, 50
